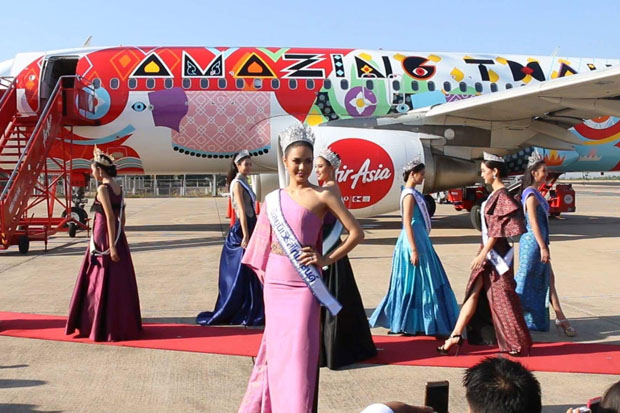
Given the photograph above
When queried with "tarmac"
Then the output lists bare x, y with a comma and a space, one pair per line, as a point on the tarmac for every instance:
176, 243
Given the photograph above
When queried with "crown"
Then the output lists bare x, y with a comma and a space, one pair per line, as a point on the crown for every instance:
412, 164
534, 158
331, 157
296, 133
102, 158
490, 157
243, 154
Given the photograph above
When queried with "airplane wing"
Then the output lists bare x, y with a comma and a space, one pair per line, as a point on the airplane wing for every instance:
538, 114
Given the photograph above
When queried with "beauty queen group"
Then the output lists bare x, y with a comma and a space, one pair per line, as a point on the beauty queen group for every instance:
287, 269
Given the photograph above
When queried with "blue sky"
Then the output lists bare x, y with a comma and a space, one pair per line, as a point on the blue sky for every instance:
588, 29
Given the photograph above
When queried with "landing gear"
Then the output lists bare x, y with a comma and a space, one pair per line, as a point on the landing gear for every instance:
78, 214
431, 206
474, 216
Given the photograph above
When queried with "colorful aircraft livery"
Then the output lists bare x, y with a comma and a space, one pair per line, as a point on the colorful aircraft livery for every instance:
190, 109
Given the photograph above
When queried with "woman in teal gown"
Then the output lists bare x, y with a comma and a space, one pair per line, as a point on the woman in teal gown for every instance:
535, 279
420, 299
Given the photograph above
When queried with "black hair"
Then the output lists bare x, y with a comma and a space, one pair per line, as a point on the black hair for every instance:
528, 177
110, 170
500, 166
414, 170
233, 169
497, 384
296, 144
611, 400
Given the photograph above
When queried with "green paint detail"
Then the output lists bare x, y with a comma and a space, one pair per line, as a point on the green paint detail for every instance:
275, 56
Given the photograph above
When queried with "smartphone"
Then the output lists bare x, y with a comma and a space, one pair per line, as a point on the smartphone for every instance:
594, 404
437, 396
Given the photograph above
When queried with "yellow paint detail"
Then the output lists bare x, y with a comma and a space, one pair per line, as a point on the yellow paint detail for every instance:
365, 56
501, 60
531, 60
467, 57
366, 69
457, 74
359, 102
314, 118
399, 57
566, 62
152, 67
493, 77
603, 141
554, 74
434, 58
527, 79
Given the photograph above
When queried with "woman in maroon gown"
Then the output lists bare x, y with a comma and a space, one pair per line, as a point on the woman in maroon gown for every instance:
105, 304
492, 311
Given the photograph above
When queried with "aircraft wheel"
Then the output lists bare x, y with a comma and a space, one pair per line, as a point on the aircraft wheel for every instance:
77, 213
23, 244
431, 206
474, 216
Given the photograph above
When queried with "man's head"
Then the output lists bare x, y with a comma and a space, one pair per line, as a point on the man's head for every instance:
501, 385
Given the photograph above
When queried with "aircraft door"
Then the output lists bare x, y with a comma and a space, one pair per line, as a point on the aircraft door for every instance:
53, 68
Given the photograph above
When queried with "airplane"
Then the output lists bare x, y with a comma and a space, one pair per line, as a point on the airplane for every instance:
175, 110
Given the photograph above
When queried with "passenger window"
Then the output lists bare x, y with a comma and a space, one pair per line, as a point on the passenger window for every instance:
133, 83
187, 83
478, 87
414, 85
97, 83
204, 83
493, 87
463, 87
327, 84
292, 84
275, 84
344, 84
370, 85
395, 85
240, 83
447, 86
258, 83
309, 84
508, 86
150, 83
114, 83
431, 85
221, 83
168, 83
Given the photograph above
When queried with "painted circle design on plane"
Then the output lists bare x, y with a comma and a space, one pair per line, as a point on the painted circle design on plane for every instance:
366, 174
360, 102
102, 101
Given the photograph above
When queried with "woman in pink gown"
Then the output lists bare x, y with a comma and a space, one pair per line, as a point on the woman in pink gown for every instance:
284, 377
105, 304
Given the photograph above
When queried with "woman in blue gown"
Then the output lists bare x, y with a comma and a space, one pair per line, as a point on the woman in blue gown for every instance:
240, 293
535, 279
420, 299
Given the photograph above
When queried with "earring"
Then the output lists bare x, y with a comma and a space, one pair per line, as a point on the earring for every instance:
494, 176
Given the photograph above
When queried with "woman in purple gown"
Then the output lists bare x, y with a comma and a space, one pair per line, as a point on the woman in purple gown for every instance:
492, 312
285, 253
105, 304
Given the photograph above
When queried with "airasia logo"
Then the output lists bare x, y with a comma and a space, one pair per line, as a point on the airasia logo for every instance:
366, 173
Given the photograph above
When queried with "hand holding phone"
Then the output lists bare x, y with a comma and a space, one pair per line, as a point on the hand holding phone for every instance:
436, 396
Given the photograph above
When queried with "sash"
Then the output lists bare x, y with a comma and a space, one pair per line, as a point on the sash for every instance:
246, 187
501, 264
541, 199
421, 202
93, 249
292, 248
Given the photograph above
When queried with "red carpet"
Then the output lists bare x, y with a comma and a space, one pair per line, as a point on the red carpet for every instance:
409, 351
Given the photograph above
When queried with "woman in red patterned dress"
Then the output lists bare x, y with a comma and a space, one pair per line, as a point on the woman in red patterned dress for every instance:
494, 316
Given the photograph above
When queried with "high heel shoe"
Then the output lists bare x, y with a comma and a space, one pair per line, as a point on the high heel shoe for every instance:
520, 353
568, 331
446, 351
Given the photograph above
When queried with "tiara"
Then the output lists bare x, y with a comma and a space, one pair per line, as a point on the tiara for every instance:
102, 158
412, 164
490, 157
331, 157
534, 158
243, 154
296, 133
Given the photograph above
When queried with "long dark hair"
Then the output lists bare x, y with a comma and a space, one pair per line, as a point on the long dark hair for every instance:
500, 166
110, 170
528, 175
233, 170
413, 170
611, 400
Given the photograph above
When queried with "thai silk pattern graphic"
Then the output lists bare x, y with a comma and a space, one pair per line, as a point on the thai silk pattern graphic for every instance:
223, 123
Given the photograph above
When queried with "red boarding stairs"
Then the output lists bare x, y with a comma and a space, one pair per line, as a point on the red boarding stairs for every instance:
28, 177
